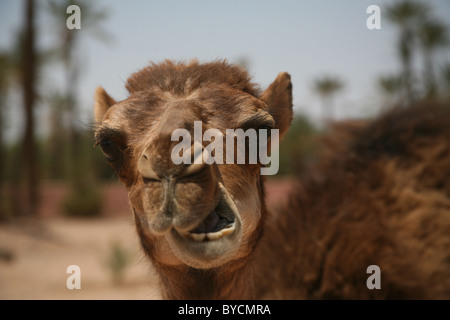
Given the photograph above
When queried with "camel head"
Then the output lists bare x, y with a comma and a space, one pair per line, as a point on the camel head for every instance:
200, 215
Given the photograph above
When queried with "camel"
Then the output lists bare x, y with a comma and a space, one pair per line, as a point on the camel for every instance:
381, 196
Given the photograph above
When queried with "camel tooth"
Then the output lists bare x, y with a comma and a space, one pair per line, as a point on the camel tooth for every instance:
211, 235
215, 235
198, 236
227, 231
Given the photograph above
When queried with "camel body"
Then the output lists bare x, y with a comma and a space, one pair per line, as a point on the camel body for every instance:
379, 196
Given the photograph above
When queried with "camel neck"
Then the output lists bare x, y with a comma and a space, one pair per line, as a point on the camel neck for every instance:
232, 281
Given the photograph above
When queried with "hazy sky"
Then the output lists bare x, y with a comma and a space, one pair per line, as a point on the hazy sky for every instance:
308, 39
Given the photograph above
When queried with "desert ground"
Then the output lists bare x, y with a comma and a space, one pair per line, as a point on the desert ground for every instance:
36, 252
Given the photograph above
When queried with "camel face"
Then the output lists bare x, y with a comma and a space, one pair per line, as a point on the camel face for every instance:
201, 215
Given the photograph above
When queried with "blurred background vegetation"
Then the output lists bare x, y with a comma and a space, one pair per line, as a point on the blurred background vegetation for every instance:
66, 156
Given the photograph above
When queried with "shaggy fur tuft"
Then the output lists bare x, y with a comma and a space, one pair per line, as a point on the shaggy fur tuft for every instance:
182, 79
380, 196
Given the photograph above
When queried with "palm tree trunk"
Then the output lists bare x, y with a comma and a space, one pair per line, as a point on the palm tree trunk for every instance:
327, 108
28, 83
406, 57
429, 78
71, 96
2, 160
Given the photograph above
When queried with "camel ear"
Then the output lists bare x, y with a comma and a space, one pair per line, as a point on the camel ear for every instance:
102, 103
278, 96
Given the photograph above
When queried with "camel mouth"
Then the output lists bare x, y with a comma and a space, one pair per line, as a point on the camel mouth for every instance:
217, 224
213, 240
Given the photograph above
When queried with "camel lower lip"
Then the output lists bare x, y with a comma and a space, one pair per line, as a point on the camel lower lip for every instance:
206, 250
218, 224
213, 240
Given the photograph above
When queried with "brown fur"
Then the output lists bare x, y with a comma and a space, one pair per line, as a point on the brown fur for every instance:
380, 195
182, 79
165, 202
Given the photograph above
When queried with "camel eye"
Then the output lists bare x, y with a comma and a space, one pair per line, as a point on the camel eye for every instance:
110, 149
268, 129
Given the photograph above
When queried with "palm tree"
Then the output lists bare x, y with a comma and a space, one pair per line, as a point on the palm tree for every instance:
446, 79
432, 36
28, 64
391, 86
326, 87
406, 14
57, 141
4, 86
69, 42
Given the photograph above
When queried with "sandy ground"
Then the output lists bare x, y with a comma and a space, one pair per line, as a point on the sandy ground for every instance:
42, 249
35, 252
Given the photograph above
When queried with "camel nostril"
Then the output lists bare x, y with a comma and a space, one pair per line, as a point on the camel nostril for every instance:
198, 160
194, 169
145, 168
149, 180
